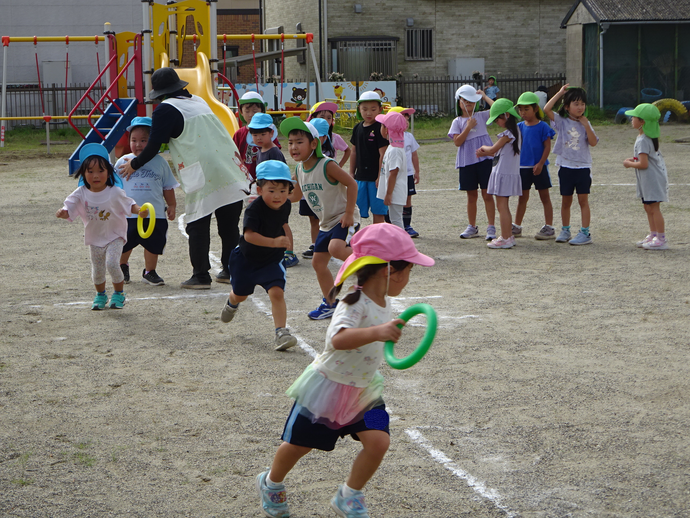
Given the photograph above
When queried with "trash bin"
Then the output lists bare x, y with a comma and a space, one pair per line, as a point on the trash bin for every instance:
649, 95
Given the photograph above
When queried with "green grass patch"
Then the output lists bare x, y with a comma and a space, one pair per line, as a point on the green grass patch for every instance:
22, 481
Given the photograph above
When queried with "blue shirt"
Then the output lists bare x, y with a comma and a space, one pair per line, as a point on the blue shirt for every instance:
533, 138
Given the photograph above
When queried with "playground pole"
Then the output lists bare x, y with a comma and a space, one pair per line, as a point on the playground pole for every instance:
4, 92
319, 88
146, 51
172, 31
214, 45
107, 32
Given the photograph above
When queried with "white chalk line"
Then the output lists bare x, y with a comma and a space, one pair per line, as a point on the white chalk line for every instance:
556, 185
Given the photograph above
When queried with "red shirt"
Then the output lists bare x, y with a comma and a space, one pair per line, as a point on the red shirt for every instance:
248, 154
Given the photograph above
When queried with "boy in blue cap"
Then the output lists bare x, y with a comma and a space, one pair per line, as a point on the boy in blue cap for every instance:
258, 258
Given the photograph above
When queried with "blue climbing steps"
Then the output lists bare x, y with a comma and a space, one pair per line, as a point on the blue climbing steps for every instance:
112, 125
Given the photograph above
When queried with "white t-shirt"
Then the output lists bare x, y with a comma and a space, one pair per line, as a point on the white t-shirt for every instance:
410, 147
148, 183
354, 367
652, 183
394, 159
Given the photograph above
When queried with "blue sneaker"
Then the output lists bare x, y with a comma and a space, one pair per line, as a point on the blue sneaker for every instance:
470, 232
290, 260
563, 237
99, 301
273, 501
581, 239
323, 312
352, 507
411, 232
490, 233
118, 300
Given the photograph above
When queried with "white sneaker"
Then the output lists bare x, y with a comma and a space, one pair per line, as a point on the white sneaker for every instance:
490, 232
499, 242
284, 340
470, 232
648, 239
656, 244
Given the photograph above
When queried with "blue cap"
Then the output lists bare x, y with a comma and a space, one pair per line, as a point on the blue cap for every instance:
273, 170
321, 126
261, 121
139, 121
93, 149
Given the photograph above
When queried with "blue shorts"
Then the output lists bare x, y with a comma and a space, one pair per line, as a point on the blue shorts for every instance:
411, 191
649, 202
305, 209
337, 232
366, 198
155, 243
541, 181
300, 431
475, 176
244, 276
571, 180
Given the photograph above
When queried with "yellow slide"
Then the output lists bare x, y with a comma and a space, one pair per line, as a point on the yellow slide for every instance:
200, 83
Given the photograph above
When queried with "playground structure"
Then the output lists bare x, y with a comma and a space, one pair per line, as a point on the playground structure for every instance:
130, 54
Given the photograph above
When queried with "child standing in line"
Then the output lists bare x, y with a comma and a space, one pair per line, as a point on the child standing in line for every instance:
468, 132
103, 209
154, 183
505, 175
257, 260
392, 187
652, 179
331, 194
334, 143
367, 156
263, 135
534, 159
575, 137
340, 392
411, 147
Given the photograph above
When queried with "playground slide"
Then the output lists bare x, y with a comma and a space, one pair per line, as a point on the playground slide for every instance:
200, 83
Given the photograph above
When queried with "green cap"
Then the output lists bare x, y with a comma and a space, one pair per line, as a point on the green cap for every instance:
296, 123
650, 114
529, 98
499, 107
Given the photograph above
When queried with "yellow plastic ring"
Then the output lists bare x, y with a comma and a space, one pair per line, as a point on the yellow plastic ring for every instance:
152, 221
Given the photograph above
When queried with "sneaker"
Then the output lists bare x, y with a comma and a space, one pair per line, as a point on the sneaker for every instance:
228, 312
323, 312
284, 340
99, 301
470, 232
499, 242
273, 501
563, 237
581, 239
118, 300
656, 244
516, 230
194, 283
545, 232
490, 232
223, 277
411, 232
152, 278
125, 272
648, 239
290, 260
308, 254
352, 507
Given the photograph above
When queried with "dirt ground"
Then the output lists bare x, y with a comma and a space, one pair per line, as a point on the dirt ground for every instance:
557, 385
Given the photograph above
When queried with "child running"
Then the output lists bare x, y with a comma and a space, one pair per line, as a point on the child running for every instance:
534, 159
103, 209
331, 194
575, 137
340, 392
411, 147
333, 144
505, 175
367, 156
652, 179
392, 188
154, 183
257, 260
468, 132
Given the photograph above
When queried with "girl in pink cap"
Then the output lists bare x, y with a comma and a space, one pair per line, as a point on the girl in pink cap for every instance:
392, 188
339, 393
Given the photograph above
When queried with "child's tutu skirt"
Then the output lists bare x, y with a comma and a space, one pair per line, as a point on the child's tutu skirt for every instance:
334, 404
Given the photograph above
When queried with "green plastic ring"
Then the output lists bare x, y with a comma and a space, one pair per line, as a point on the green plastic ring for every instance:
423, 347
152, 221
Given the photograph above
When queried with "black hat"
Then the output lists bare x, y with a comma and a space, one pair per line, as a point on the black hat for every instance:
165, 81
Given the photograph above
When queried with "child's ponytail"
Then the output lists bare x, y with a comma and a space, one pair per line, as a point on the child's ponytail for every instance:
363, 275
511, 124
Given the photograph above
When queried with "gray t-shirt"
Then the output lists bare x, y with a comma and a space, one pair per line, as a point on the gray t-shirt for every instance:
572, 146
652, 183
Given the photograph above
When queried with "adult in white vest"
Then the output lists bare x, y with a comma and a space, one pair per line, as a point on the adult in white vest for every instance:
202, 152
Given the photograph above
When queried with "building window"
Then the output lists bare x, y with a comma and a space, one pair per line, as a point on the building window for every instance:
357, 58
419, 44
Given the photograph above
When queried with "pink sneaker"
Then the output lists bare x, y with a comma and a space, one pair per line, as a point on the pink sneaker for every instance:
656, 244
499, 242
648, 239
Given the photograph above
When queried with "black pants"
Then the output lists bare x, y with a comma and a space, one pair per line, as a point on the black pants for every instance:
199, 231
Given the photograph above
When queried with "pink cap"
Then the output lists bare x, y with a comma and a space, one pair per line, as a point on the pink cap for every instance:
396, 125
380, 243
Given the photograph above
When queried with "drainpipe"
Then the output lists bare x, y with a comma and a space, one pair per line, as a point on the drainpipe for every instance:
603, 28
324, 42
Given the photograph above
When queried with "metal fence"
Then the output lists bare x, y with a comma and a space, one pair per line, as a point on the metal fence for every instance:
432, 95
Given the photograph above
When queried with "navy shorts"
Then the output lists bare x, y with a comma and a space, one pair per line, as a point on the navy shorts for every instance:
541, 181
244, 276
572, 180
411, 191
155, 243
475, 176
649, 202
337, 232
305, 209
300, 431
366, 199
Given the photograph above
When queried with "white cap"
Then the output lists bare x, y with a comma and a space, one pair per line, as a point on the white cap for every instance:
369, 96
467, 92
